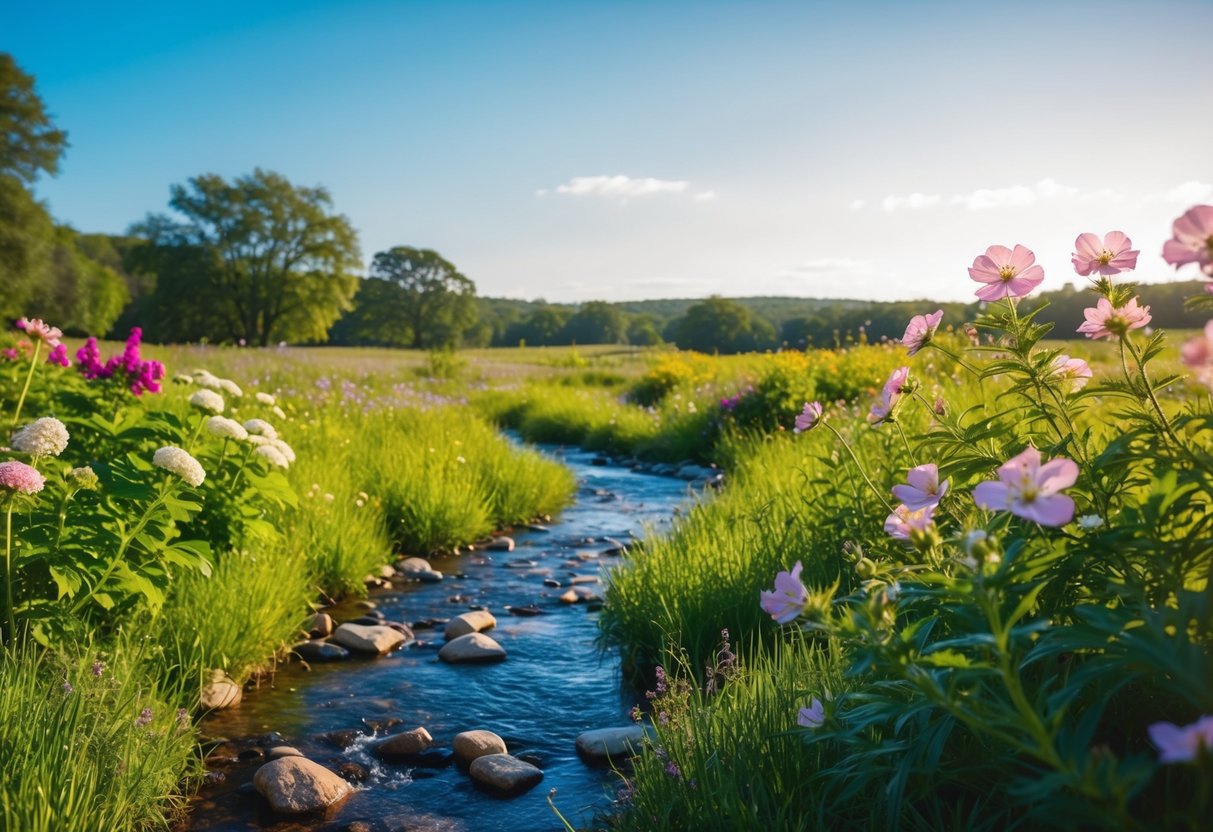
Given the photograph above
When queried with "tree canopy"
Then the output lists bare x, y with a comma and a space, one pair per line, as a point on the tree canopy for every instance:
426, 300
29, 142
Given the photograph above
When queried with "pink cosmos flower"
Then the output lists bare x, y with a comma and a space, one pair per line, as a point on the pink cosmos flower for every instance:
1192, 239
1182, 745
813, 716
809, 417
1197, 353
924, 488
789, 597
919, 331
889, 395
50, 335
1113, 256
1006, 273
1106, 321
1074, 370
21, 478
1028, 489
905, 520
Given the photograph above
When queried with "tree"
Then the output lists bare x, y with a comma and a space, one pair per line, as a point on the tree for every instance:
264, 259
435, 302
596, 322
543, 327
29, 142
26, 240
720, 325
643, 331
80, 293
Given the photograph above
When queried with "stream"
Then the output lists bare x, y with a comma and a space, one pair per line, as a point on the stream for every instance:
554, 684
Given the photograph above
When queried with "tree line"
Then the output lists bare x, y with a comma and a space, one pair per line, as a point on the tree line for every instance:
259, 260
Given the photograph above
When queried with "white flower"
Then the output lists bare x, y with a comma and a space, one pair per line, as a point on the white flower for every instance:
205, 378
177, 461
279, 412
230, 387
42, 437
226, 428
1090, 522
266, 398
274, 456
182, 378
207, 400
284, 449
260, 427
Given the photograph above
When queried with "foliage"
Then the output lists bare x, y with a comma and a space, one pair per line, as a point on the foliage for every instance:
718, 325
29, 143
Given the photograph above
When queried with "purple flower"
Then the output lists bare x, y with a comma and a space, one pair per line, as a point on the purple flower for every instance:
59, 356
813, 716
920, 330
1028, 489
98, 669
924, 487
787, 600
21, 478
67, 687
904, 521
1182, 745
809, 417
144, 718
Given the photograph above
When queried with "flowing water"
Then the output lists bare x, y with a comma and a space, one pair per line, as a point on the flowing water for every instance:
554, 684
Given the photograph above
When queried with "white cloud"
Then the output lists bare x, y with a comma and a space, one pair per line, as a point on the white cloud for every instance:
857, 204
1189, 192
914, 201
621, 187
831, 265
1013, 196
705, 196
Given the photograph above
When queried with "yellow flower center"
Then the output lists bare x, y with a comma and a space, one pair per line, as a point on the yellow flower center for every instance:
1105, 257
1007, 273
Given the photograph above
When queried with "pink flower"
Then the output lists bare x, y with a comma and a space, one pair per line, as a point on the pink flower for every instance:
1029, 490
924, 489
59, 356
1197, 353
789, 597
919, 331
1192, 239
905, 520
1112, 256
1106, 321
809, 418
813, 716
1182, 745
50, 335
1074, 370
889, 395
21, 478
1006, 273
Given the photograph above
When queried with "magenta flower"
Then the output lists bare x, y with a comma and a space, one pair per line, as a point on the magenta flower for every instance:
20, 478
813, 716
1113, 256
809, 418
1106, 321
889, 395
904, 521
50, 335
1182, 745
1192, 239
919, 331
1197, 353
1028, 489
59, 356
924, 489
789, 597
1074, 370
1006, 273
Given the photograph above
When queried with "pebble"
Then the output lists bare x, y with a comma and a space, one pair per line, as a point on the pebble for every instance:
279, 751
525, 611
419, 569
368, 639
404, 745
471, 649
579, 593
501, 544
221, 692
602, 744
471, 745
505, 775
296, 785
469, 622
319, 625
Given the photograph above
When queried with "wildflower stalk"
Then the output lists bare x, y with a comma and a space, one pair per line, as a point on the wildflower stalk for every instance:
33, 364
127, 539
904, 440
879, 494
1164, 422
8, 570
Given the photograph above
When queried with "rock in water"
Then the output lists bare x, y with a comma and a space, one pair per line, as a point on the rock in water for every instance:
404, 745
295, 785
472, 649
501, 544
222, 692
419, 569
504, 775
368, 638
319, 625
472, 745
279, 751
469, 622
604, 743
320, 651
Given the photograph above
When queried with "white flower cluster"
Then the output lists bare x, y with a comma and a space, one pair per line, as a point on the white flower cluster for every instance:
205, 378
230, 387
275, 456
207, 400
42, 437
226, 428
178, 461
260, 427
266, 398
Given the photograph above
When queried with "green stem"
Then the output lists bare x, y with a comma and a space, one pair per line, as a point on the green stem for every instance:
127, 539
859, 467
905, 441
33, 364
8, 571
1126, 341
957, 359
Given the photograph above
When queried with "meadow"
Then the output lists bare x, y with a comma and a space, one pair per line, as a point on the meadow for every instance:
988, 546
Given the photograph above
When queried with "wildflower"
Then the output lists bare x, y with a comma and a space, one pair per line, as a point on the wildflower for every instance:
230, 387
42, 437
205, 378
813, 716
67, 687
1090, 522
1197, 353
1114, 255
789, 597
36, 328
672, 770
254, 439
260, 427
659, 673
183, 718
58, 356
144, 718
1106, 321
635, 714
1192, 239
924, 488
284, 449
20, 478
920, 330
179, 462
274, 456
809, 418
904, 521
889, 395
278, 411
182, 378
1182, 745
224, 427
1006, 273
971, 333
208, 401
83, 477
98, 669
265, 398
1073, 370
1028, 489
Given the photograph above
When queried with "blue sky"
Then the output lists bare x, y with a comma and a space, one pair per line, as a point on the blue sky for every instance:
582, 150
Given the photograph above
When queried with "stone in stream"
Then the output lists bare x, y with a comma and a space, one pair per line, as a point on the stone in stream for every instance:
342, 739
378, 639
471, 745
521, 563
320, 651
419, 569
584, 579
469, 622
525, 611
579, 593
501, 544
402, 746
221, 692
504, 775
296, 785
601, 744
319, 625
474, 648
551, 582
280, 751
